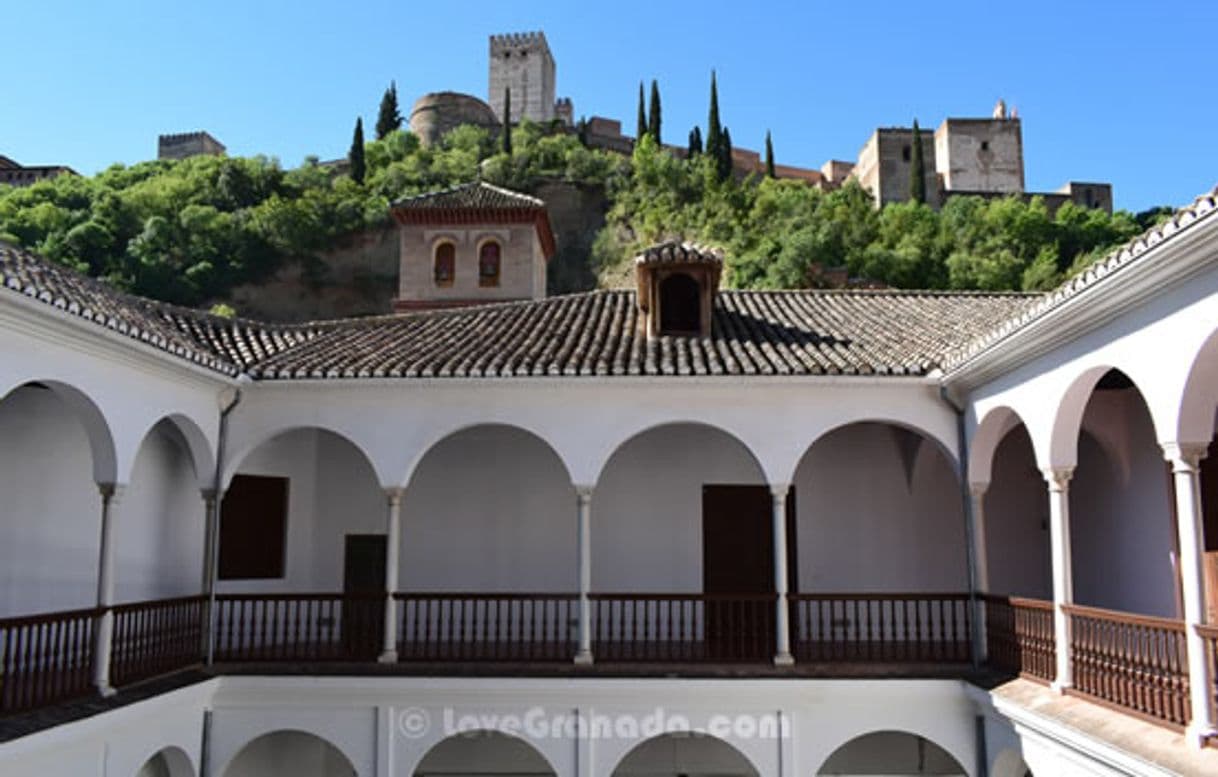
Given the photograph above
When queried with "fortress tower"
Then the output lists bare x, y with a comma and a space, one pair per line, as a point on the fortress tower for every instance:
523, 63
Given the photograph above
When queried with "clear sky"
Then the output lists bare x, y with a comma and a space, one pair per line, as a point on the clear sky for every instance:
1114, 91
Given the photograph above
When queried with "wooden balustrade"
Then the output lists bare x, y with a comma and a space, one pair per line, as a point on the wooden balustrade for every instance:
153, 638
881, 628
45, 658
487, 627
1209, 634
298, 627
1019, 636
1134, 662
688, 628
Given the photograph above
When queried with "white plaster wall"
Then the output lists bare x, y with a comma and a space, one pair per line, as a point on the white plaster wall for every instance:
1122, 525
50, 510
1016, 515
870, 521
489, 509
647, 507
159, 523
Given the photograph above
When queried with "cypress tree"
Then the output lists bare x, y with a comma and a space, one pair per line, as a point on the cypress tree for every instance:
917, 168
653, 120
389, 118
769, 156
507, 121
641, 129
725, 154
714, 130
695, 142
355, 157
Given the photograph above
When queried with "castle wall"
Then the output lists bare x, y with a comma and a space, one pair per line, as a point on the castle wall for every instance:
886, 161
980, 155
524, 64
519, 277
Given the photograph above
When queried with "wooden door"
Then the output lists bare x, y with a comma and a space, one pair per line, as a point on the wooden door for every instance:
1209, 513
364, 576
738, 561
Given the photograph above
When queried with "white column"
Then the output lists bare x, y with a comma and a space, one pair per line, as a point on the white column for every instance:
104, 635
584, 501
210, 529
1063, 584
782, 624
393, 534
1186, 468
981, 566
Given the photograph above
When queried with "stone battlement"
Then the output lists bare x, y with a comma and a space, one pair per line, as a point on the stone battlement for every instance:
517, 40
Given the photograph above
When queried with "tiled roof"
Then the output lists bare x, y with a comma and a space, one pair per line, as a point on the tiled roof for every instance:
598, 334
1203, 207
476, 195
675, 252
220, 344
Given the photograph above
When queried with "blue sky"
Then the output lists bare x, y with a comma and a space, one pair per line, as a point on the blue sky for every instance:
1113, 91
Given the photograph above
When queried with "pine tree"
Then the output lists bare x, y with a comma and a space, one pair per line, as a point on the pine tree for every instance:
917, 167
641, 129
355, 157
714, 130
695, 142
389, 118
724, 158
769, 156
653, 120
507, 121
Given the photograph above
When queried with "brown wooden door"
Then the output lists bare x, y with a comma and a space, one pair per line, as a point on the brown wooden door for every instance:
738, 560
364, 574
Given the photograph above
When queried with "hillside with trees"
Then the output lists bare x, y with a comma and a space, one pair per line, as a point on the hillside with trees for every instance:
190, 231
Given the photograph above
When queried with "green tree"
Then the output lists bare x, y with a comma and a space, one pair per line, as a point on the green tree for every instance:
507, 121
714, 130
355, 156
769, 156
695, 142
389, 118
653, 117
641, 120
724, 156
917, 167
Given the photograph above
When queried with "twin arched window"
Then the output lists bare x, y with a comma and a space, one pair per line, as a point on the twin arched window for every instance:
444, 264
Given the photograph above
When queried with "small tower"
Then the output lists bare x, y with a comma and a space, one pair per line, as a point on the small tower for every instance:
677, 283
522, 62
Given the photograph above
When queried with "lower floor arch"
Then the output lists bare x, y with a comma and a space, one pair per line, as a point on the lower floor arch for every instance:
483, 754
1010, 764
168, 762
891, 753
685, 755
289, 754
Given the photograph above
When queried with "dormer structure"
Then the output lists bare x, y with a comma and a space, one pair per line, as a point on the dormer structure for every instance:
472, 244
677, 283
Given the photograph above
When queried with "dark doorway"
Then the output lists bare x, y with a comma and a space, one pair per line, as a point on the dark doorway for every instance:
364, 585
1209, 513
680, 307
738, 561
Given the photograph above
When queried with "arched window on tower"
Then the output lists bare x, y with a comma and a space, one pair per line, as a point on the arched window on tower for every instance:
680, 305
445, 264
488, 263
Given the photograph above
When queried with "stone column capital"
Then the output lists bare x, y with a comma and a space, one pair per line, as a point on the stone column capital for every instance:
1185, 456
583, 493
111, 492
977, 490
394, 494
1058, 478
779, 490
208, 494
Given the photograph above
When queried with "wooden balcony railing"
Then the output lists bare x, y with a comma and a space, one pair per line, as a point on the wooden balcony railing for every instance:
685, 628
1019, 636
869, 628
45, 658
1210, 635
1134, 662
523, 627
157, 637
299, 627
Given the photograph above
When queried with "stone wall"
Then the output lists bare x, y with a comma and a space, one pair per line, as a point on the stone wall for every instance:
886, 161
520, 254
438, 113
523, 63
980, 154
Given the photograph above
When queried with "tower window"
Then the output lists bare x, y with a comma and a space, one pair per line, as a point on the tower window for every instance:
985, 145
445, 264
488, 263
680, 305
905, 153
